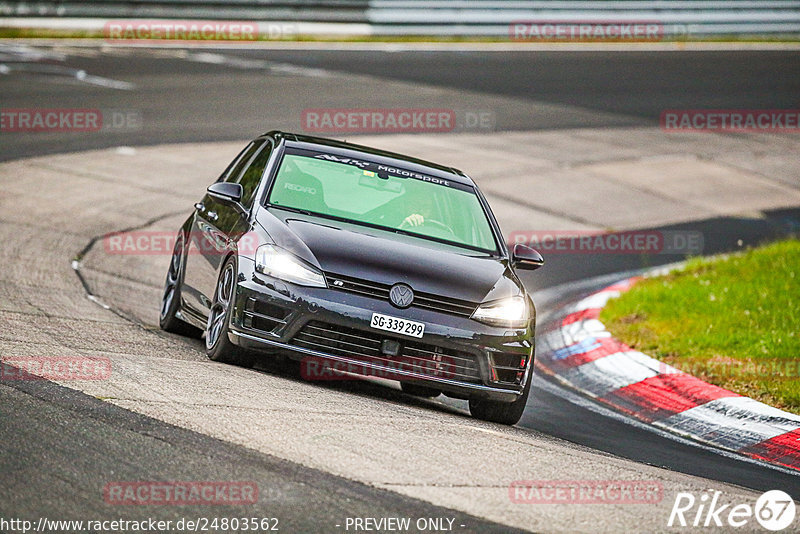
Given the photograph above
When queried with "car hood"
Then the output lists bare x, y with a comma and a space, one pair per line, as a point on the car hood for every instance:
388, 258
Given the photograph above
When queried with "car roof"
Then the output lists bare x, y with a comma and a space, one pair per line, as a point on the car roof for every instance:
344, 148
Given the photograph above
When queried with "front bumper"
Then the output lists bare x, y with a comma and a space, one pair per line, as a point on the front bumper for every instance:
459, 356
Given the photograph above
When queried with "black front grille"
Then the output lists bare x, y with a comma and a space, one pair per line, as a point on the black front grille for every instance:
366, 346
507, 367
263, 316
463, 308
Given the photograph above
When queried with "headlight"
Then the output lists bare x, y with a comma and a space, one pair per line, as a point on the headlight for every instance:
279, 263
511, 312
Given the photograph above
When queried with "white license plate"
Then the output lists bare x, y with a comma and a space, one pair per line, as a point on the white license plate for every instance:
396, 325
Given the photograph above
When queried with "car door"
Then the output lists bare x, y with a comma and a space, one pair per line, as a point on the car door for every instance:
215, 225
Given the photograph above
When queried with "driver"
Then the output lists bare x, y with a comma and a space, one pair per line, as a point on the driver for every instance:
415, 219
424, 208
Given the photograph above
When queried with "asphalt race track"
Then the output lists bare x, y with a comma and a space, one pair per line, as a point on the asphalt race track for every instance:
66, 443
212, 95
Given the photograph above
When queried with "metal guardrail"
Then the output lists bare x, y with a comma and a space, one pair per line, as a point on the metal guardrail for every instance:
336, 11
679, 18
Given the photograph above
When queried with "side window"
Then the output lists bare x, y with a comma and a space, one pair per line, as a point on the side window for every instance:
232, 173
252, 176
233, 163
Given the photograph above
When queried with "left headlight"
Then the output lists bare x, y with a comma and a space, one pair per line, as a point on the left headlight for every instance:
279, 263
511, 312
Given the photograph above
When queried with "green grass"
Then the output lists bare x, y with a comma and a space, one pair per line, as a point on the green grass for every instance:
733, 321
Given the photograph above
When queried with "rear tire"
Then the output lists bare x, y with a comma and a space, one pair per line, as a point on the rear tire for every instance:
505, 413
218, 347
171, 297
419, 391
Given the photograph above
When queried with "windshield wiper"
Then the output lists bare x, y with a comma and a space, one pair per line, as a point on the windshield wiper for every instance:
293, 210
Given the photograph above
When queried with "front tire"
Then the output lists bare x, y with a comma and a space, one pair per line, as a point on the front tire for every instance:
171, 297
505, 413
218, 347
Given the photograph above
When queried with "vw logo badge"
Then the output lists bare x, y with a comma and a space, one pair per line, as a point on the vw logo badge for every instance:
401, 295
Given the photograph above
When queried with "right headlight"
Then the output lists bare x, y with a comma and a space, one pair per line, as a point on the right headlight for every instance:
510, 312
278, 263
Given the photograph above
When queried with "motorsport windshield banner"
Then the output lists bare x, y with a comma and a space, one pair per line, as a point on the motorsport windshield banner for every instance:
379, 169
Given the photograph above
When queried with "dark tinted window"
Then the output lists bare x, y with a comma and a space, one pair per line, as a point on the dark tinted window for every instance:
233, 163
233, 171
252, 176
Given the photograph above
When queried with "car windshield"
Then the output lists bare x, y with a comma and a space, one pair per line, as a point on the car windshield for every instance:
383, 196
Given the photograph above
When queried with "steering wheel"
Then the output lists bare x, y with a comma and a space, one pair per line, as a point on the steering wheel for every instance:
432, 222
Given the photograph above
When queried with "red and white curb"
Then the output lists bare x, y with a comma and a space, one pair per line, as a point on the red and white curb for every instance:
578, 351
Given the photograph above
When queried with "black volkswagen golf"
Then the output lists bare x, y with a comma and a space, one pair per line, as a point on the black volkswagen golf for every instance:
360, 261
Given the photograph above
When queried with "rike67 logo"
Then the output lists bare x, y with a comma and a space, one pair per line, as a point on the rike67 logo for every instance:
774, 510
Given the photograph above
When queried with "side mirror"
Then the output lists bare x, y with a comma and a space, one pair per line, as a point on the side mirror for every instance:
226, 191
526, 258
